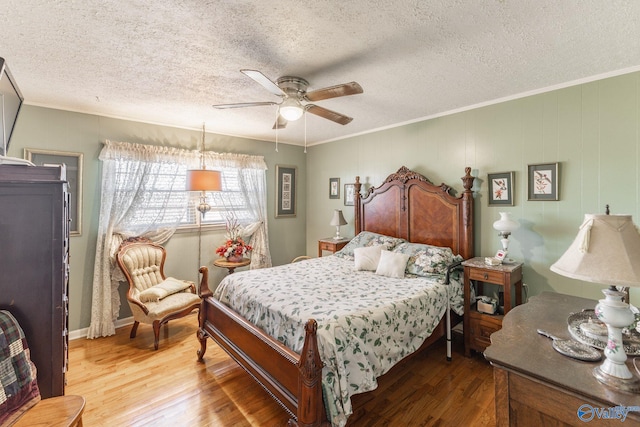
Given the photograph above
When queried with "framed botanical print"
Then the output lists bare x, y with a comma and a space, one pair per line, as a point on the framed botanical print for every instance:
349, 192
286, 180
501, 186
73, 166
543, 181
334, 188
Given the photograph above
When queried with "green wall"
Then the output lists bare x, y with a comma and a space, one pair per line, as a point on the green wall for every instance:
56, 130
592, 130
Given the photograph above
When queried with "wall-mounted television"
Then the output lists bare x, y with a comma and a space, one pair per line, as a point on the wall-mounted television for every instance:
10, 103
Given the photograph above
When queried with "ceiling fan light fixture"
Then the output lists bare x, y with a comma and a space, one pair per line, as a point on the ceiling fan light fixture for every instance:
291, 109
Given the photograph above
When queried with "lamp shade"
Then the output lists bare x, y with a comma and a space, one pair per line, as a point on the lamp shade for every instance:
291, 109
338, 218
505, 224
606, 250
203, 180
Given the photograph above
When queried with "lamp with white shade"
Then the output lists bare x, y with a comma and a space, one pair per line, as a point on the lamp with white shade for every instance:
338, 220
607, 250
505, 226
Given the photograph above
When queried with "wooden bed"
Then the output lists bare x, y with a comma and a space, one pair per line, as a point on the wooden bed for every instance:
406, 205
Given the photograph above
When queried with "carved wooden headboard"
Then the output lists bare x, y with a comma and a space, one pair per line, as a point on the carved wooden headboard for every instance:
409, 206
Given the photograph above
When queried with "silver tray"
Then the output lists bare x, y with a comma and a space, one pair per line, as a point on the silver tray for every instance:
630, 339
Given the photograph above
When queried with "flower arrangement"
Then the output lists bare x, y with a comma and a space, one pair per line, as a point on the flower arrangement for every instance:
234, 247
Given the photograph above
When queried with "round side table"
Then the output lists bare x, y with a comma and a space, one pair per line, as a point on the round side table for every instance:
231, 266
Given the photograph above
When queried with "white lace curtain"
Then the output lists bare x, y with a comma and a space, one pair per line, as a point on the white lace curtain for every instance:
129, 173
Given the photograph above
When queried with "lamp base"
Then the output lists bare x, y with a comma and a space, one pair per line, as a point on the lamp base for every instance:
616, 314
631, 385
337, 236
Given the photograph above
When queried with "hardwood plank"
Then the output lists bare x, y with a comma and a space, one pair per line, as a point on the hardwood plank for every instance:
126, 382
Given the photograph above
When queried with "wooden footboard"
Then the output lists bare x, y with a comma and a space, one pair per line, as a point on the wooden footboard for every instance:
294, 381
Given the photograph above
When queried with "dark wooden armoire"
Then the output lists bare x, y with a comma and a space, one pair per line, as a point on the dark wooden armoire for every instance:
34, 264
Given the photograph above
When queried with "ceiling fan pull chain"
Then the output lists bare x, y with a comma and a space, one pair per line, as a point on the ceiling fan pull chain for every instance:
305, 134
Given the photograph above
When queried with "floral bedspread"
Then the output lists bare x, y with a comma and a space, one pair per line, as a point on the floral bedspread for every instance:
366, 322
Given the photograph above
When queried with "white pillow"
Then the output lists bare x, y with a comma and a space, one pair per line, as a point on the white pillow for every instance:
367, 258
392, 264
163, 289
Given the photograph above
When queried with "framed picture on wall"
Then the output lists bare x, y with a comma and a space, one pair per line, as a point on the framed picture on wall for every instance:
349, 192
73, 166
501, 188
543, 181
334, 188
286, 180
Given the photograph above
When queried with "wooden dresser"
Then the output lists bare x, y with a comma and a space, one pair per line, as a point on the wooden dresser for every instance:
535, 385
34, 265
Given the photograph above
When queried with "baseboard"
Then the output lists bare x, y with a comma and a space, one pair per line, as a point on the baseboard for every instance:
82, 333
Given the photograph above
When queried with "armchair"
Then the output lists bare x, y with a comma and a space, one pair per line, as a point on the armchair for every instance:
153, 298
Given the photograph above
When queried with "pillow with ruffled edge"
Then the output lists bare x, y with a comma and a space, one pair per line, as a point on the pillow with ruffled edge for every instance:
392, 264
425, 260
368, 238
367, 258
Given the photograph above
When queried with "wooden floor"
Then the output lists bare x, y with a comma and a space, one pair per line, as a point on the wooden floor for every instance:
127, 383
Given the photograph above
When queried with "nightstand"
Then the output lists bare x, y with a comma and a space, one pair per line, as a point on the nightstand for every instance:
229, 265
332, 245
478, 327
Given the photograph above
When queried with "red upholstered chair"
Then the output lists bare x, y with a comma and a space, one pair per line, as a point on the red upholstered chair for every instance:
20, 402
153, 298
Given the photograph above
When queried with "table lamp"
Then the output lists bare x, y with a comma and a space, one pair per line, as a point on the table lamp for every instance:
505, 226
338, 220
607, 250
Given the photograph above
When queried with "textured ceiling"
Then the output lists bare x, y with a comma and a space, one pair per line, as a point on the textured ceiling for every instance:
167, 61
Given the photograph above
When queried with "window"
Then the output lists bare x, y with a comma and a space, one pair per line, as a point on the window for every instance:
143, 188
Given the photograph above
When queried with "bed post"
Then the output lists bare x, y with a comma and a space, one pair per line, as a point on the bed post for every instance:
467, 218
357, 206
311, 411
204, 292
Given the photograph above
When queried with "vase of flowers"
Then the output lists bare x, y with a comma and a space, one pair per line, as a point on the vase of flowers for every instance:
234, 248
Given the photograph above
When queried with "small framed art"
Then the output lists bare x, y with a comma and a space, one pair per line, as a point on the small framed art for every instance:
286, 180
334, 188
349, 192
543, 181
73, 165
501, 188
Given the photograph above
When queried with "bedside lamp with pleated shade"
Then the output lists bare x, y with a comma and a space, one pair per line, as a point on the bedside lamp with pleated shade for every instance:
338, 220
607, 250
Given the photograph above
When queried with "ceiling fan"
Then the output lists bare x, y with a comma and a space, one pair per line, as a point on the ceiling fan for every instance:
293, 91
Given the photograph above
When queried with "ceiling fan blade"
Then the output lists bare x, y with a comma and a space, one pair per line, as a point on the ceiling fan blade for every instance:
328, 114
280, 123
244, 104
264, 81
345, 89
